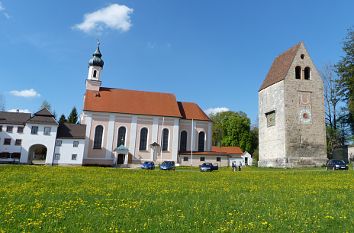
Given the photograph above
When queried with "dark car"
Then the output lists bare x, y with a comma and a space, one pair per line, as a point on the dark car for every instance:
334, 164
208, 167
148, 165
168, 165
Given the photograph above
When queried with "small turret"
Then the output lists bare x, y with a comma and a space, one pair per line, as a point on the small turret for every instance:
93, 81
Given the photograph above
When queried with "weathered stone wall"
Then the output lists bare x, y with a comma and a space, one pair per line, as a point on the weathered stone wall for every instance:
271, 139
298, 137
305, 138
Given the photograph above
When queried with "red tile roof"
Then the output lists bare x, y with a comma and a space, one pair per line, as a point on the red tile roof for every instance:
191, 111
227, 149
280, 67
141, 103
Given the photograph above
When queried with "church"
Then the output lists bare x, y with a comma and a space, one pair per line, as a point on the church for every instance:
129, 127
291, 112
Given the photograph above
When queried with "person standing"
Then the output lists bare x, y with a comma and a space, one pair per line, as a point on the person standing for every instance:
234, 166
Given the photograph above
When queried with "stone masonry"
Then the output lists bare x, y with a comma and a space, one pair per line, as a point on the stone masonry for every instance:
291, 113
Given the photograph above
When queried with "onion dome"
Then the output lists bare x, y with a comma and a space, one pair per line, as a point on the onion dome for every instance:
96, 59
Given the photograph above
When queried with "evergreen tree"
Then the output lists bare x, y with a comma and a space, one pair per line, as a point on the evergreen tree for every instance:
73, 118
62, 119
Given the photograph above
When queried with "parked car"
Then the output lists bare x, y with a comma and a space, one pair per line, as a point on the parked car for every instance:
148, 165
208, 167
334, 164
168, 165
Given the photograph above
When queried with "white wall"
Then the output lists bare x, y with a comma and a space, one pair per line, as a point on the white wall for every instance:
66, 150
12, 148
271, 139
32, 139
14, 135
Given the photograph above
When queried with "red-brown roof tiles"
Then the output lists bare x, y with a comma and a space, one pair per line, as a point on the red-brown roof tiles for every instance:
141, 103
227, 149
131, 102
191, 111
280, 67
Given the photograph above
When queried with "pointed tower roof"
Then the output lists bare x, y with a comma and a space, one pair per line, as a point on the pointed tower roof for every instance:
43, 117
280, 67
96, 59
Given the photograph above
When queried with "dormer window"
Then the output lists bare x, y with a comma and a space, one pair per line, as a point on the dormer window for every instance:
95, 73
298, 72
307, 73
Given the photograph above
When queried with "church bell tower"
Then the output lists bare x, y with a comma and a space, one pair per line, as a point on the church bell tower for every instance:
93, 81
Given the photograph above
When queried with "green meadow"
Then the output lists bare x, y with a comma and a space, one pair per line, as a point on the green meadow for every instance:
95, 199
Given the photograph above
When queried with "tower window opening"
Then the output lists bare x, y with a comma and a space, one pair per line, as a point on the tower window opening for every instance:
307, 72
302, 56
298, 72
94, 73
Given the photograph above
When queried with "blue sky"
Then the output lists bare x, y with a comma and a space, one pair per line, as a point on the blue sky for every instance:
214, 53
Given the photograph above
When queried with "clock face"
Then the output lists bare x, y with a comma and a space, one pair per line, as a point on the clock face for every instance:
305, 116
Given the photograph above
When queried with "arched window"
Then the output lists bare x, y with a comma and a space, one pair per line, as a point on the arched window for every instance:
164, 140
143, 139
94, 73
201, 139
298, 72
183, 143
121, 136
307, 73
97, 142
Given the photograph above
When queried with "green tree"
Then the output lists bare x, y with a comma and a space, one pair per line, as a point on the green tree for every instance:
62, 119
73, 118
233, 129
345, 71
336, 115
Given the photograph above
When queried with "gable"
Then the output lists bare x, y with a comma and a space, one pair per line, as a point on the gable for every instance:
280, 67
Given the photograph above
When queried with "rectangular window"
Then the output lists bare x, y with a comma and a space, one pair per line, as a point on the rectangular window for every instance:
34, 130
73, 156
270, 118
9, 129
0, 128
185, 159
18, 142
20, 129
58, 142
218, 159
202, 158
7, 141
47, 130
75, 143
57, 156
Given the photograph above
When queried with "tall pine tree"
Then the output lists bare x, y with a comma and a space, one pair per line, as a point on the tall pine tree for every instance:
62, 119
73, 118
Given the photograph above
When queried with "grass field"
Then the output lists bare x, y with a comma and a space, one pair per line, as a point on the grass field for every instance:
93, 199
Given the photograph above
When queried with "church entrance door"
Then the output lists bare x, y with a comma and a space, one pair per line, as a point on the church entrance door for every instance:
121, 158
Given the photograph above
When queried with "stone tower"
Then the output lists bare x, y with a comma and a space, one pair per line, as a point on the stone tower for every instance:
291, 112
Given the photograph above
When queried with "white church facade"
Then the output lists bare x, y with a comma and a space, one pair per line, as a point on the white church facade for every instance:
144, 126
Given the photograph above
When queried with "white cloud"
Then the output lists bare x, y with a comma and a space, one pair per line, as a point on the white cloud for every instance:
3, 11
19, 110
25, 93
114, 16
216, 110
